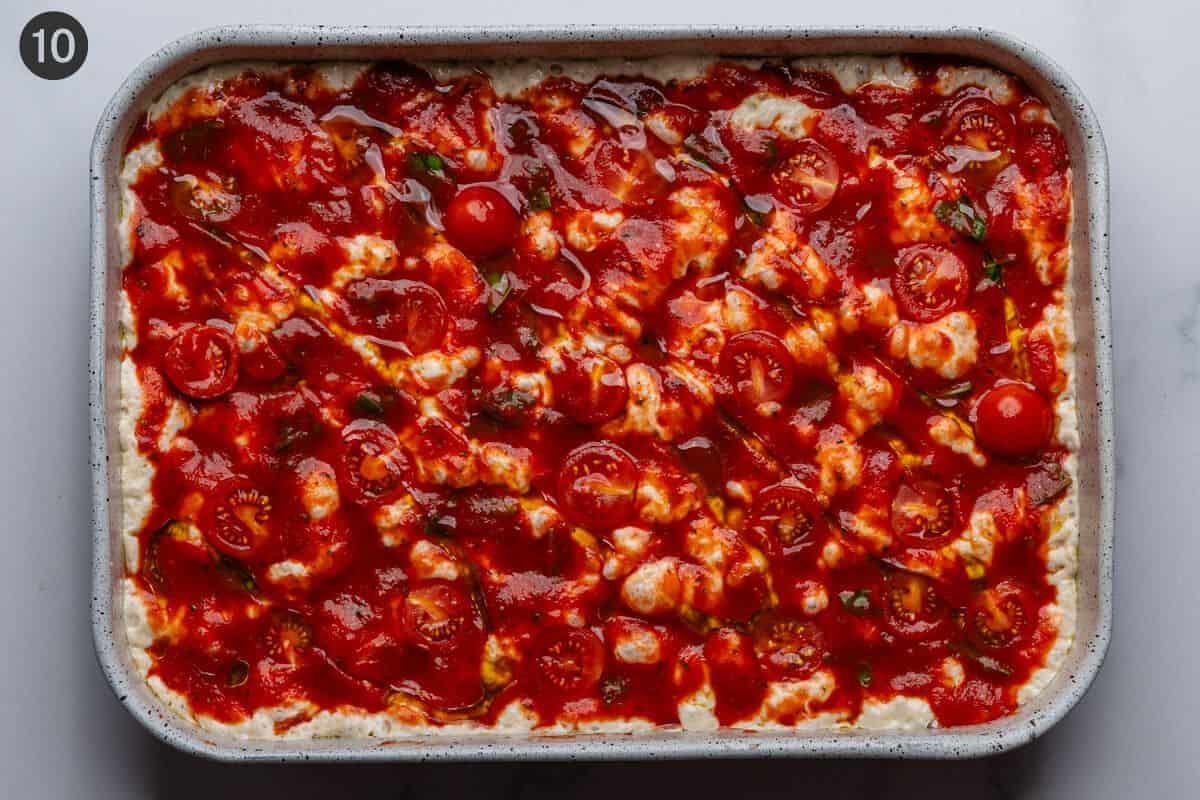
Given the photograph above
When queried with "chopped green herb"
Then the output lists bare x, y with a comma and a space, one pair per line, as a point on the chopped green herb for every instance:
539, 199
962, 217
288, 436
864, 675
858, 602
368, 404
429, 163
994, 268
501, 288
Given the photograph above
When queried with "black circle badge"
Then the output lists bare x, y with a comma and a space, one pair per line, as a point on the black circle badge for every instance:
53, 45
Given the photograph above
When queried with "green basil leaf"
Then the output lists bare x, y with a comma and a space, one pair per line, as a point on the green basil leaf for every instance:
961, 217
501, 288
539, 199
369, 404
429, 163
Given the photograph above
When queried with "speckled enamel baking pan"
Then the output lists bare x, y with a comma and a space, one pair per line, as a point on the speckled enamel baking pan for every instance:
1094, 371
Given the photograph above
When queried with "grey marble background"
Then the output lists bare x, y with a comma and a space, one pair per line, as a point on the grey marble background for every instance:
1137, 733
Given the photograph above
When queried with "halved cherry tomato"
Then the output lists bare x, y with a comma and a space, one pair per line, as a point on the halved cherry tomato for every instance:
930, 281
1043, 149
287, 636
788, 647
373, 463
437, 615
202, 362
239, 519
1001, 616
1043, 362
592, 388
408, 312
758, 367
912, 607
598, 484
978, 136
808, 179
922, 514
785, 516
567, 661
481, 221
1013, 419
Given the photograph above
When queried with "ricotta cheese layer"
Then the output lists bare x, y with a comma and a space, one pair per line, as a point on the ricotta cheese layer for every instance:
597, 396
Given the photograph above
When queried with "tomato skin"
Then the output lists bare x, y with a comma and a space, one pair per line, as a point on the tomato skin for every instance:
786, 518
808, 179
912, 608
758, 367
1002, 616
592, 389
567, 662
481, 221
930, 281
1014, 420
788, 648
922, 515
202, 362
402, 311
373, 465
238, 519
598, 484
437, 616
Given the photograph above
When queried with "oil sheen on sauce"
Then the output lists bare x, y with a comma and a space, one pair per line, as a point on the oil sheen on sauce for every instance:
663, 404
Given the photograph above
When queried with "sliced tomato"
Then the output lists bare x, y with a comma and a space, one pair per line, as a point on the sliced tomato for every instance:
373, 465
1013, 419
788, 647
1001, 616
786, 517
567, 661
437, 615
202, 362
758, 367
1043, 362
481, 221
978, 136
922, 513
592, 388
912, 607
287, 636
598, 484
239, 520
406, 312
930, 281
808, 179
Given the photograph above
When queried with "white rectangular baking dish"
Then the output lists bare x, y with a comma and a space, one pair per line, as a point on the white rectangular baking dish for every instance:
296, 43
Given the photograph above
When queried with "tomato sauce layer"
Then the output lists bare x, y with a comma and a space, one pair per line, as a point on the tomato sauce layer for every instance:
734, 391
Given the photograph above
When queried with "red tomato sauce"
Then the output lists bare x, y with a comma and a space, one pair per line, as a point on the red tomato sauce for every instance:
234, 283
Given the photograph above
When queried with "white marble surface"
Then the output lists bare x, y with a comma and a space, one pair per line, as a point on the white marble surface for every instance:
1135, 734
